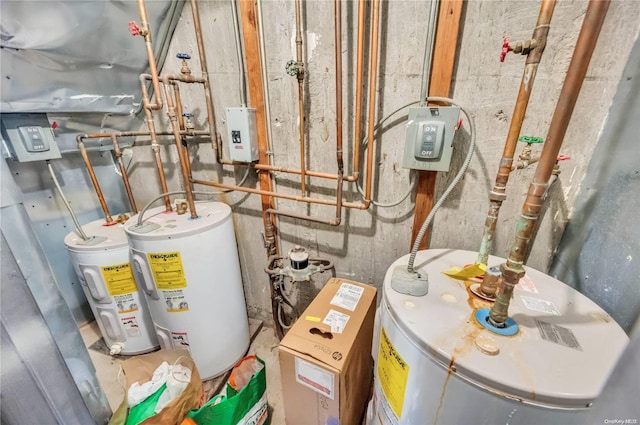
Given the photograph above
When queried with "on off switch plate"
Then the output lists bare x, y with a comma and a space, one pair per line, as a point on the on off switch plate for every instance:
29, 137
241, 133
429, 139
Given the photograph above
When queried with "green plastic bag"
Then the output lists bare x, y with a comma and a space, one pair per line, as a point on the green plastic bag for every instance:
245, 402
146, 409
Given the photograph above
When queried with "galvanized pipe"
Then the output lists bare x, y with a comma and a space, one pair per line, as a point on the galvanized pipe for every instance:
498, 193
123, 171
94, 180
513, 270
428, 51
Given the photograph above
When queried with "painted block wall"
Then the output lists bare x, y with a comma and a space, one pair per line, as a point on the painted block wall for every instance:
367, 242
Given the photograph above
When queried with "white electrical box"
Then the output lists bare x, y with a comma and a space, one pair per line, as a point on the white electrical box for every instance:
30, 137
429, 138
241, 133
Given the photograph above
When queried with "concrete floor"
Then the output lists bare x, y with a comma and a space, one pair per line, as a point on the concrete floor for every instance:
265, 346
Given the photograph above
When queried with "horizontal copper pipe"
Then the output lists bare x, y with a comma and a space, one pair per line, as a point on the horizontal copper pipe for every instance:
279, 195
305, 217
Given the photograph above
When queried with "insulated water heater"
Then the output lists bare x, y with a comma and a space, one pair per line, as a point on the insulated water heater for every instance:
190, 273
435, 363
105, 273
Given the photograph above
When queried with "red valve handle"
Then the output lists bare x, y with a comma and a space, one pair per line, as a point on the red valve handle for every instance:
563, 158
505, 49
134, 29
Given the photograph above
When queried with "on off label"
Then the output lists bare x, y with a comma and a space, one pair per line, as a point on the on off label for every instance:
393, 373
167, 270
119, 279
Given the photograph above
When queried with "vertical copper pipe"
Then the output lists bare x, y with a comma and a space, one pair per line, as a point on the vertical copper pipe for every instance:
339, 158
373, 79
183, 155
146, 33
513, 270
359, 75
211, 118
94, 179
154, 142
123, 172
498, 193
301, 118
179, 111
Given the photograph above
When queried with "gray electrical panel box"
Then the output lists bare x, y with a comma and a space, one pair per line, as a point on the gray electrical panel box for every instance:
429, 138
29, 137
241, 133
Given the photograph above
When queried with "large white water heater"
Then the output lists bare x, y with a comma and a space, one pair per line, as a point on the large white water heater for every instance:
190, 273
102, 265
436, 364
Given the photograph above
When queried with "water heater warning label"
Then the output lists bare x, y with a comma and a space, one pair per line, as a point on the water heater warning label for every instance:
176, 301
180, 340
557, 334
393, 373
119, 279
167, 270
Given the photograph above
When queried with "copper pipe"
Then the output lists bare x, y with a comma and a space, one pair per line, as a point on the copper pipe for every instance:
290, 170
373, 79
498, 193
303, 217
279, 195
182, 155
145, 31
513, 270
94, 180
123, 171
339, 158
154, 142
301, 117
303, 171
142, 134
358, 106
179, 111
215, 137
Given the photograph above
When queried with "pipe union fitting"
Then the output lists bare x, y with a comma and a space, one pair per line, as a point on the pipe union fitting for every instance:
511, 276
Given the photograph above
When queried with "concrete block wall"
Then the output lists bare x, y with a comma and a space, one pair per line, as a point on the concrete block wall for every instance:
367, 242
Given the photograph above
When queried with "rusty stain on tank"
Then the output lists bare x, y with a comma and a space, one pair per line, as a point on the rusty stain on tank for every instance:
444, 387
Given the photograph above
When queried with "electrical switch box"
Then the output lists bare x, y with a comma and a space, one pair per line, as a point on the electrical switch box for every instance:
429, 138
241, 133
30, 137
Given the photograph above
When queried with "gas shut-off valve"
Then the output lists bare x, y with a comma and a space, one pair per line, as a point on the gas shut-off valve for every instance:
297, 265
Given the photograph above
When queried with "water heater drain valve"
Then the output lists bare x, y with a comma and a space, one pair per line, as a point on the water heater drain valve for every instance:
297, 265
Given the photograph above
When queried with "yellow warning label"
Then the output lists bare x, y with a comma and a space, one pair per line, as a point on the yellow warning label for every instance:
393, 372
167, 270
119, 279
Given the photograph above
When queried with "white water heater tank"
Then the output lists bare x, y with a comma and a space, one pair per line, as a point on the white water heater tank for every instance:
105, 273
435, 364
190, 273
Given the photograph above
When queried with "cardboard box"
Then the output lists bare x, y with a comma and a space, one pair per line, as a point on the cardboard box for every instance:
325, 358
